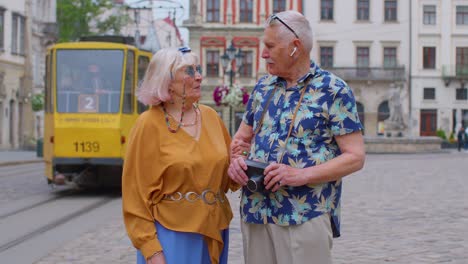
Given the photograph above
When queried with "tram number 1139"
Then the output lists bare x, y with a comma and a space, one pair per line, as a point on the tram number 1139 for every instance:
86, 146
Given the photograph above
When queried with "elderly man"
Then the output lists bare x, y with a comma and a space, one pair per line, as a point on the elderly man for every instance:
303, 123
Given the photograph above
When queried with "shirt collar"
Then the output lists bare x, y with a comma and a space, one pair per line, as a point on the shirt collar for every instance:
301, 82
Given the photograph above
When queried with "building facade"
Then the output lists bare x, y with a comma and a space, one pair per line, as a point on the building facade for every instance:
367, 44
44, 32
439, 72
214, 26
406, 61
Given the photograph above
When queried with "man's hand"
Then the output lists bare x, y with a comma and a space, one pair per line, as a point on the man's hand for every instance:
277, 175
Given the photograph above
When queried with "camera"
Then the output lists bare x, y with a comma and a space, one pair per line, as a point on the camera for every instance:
255, 173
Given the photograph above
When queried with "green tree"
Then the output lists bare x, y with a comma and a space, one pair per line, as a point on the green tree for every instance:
78, 18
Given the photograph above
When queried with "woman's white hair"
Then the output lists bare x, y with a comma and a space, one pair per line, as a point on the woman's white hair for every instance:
295, 21
161, 70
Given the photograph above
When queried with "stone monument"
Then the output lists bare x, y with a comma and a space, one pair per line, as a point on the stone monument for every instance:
395, 123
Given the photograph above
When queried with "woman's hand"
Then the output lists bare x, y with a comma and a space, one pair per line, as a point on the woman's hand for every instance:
277, 175
157, 258
239, 148
237, 169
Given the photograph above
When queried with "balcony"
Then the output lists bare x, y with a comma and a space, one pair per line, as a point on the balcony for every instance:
370, 73
455, 72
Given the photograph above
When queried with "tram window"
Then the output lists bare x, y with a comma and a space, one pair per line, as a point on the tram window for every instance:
128, 89
143, 63
88, 80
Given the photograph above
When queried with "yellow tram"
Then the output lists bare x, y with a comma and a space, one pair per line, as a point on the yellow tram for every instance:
90, 107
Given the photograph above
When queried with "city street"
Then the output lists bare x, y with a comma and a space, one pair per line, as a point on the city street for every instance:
408, 208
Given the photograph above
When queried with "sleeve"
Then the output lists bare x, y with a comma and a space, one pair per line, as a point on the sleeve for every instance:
343, 115
137, 185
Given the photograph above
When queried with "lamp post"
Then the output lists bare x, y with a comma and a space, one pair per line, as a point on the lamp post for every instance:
227, 60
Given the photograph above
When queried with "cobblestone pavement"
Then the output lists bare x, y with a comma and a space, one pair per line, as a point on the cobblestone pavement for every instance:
399, 209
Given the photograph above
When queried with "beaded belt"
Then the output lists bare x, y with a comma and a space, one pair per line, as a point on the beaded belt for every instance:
207, 196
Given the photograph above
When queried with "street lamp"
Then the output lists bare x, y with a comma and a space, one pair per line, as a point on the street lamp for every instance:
227, 60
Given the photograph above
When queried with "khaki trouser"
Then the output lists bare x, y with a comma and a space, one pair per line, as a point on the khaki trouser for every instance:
310, 242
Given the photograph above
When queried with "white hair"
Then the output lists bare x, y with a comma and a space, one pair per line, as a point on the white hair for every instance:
161, 70
297, 22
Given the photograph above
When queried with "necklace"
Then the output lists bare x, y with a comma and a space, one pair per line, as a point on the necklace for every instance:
168, 124
179, 123
182, 124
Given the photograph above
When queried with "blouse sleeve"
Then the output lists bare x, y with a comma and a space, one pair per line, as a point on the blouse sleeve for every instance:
139, 180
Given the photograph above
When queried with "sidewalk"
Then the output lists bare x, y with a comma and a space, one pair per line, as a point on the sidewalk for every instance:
12, 157
390, 215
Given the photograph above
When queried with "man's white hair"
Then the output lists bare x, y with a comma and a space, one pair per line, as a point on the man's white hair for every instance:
297, 22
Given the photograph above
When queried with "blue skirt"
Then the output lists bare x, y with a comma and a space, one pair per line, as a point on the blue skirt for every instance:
186, 248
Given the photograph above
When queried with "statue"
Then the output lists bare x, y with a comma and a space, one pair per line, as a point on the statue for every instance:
395, 123
2, 85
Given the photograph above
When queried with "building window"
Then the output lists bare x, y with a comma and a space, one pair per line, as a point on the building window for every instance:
429, 16
362, 59
461, 94
212, 63
390, 10
461, 66
360, 110
390, 57
212, 11
429, 94
326, 57
17, 34
363, 10
326, 10
246, 11
278, 6
462, 15
2, 28
429, 60
247, 64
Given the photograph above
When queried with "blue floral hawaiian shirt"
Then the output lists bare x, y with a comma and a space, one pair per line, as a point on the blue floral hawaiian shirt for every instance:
327, 109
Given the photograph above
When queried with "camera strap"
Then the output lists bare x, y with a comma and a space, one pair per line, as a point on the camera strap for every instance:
265, 109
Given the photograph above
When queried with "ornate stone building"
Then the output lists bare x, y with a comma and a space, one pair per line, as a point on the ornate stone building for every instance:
214, 26
367, 44
26, 28
439, 72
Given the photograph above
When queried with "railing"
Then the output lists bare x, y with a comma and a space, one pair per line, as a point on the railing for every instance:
370, 73
455, 71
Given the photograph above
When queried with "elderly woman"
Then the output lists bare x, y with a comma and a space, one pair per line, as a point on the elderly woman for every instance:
175, 172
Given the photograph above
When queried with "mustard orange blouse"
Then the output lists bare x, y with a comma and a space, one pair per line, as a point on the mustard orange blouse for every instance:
159, 163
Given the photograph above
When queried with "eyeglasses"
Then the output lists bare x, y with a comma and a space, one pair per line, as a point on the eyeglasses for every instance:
274, 16
191, 69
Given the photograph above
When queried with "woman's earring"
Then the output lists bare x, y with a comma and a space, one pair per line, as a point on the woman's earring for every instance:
172, 97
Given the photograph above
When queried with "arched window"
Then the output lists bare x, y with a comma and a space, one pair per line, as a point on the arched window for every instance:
383, 113
360, 110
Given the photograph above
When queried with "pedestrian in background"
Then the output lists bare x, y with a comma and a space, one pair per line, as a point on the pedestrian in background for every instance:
462, 138
175, 170
302, 121
466, 138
